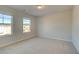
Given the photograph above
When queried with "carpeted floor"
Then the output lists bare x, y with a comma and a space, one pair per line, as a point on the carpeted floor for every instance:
40, 46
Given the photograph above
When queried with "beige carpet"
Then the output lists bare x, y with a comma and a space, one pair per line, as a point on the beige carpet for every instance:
40, 46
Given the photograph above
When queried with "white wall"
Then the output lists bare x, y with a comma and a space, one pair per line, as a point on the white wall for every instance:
17, 26
75, 27
56, 26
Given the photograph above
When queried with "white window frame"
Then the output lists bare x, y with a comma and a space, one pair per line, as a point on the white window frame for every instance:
23, 24
11, 25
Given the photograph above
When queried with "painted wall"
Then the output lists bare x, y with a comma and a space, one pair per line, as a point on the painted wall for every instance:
56, 26
75, 27
17, 26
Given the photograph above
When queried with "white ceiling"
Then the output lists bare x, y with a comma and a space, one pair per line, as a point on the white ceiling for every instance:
32, 9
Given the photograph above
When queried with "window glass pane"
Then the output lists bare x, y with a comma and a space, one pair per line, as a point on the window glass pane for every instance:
1, 29
1, 20
7, 16
26, 28
1, 15
26, 25
26, 21
5, 28
7, 21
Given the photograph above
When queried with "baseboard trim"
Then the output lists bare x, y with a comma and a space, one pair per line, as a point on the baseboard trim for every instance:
55, 39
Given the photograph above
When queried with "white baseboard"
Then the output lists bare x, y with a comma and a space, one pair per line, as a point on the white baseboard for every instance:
56, 39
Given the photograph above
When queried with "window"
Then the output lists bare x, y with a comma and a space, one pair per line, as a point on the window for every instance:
5, 24
26, 25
